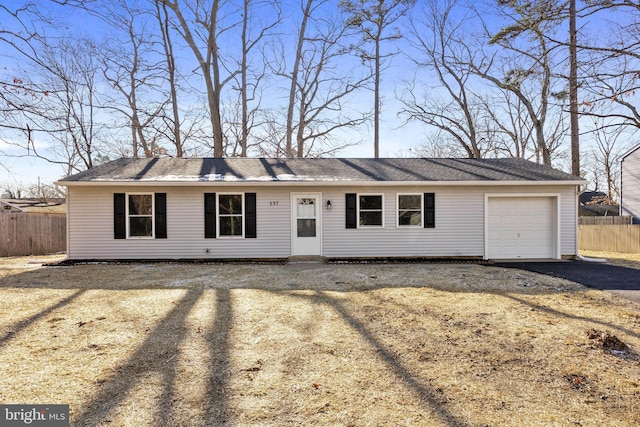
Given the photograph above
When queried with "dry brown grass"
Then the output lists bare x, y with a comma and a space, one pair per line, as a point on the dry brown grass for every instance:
618, 258
421, 344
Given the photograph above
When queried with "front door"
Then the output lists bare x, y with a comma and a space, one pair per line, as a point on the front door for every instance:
305, 228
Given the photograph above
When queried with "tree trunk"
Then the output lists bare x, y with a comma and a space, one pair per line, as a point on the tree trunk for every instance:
376, 107
294, 79
243, 84
209, 66
163, 21
573, 91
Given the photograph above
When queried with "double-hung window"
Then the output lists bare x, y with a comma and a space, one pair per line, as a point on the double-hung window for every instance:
140, 215
230, 215
367, 210
370, 210
410, 210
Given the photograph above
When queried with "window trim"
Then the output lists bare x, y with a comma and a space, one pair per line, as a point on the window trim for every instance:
421, 208
358, 210
128, 216
219, 215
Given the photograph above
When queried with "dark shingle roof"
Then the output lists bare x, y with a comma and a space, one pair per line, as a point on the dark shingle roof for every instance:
318, 170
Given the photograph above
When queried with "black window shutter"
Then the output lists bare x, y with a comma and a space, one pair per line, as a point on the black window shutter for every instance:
350, 203
210, 215
429, 210
161, 215
119, 216
250, 229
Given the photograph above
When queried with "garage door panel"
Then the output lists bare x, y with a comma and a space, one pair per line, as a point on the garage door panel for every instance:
508, 222
520, 227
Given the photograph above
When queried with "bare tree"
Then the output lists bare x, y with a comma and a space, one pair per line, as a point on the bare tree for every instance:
513, 132
255, 29
450, 105
294, 75
200, 25
605, 152
375, 18
321, 85
610, 84
15, 190
45, 191
530, 68
60, 105
573, 89
175, 135
127, 67
439, 144
57, 104
612, 62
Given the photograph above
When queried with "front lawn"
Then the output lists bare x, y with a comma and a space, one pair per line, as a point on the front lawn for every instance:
262, 344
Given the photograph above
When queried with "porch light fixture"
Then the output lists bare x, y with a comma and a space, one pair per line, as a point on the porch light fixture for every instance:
328, 205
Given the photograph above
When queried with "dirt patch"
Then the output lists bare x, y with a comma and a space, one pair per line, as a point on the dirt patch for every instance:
242, 344
610, 343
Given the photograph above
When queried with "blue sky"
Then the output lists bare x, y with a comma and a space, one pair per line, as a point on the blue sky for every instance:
397, 139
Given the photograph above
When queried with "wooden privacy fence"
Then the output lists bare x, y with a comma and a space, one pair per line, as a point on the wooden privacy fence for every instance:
604, 220
609, 238
32, 234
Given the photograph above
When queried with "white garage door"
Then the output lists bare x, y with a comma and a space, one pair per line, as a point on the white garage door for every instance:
521, 227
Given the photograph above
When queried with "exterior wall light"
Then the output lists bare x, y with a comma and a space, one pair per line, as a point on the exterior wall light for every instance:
328, 205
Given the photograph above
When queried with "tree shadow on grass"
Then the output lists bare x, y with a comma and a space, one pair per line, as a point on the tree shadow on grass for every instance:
157, 354
565, 315
216, 405
431, 399
15, 329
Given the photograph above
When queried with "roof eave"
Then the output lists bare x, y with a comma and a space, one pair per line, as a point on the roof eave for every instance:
312, 183
628, 152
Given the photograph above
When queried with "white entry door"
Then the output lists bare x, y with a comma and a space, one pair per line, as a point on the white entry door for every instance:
306, 212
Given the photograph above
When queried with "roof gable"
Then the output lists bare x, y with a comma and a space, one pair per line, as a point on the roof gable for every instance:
633, 150
318, 170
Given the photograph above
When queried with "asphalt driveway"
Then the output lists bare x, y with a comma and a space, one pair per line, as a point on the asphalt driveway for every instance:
623, 281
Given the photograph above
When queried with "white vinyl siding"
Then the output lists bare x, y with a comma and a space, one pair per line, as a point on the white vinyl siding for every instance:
459, 223
630, 185
458, 232
90, 231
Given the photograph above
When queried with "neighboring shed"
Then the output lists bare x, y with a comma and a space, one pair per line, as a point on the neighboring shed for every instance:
32, 226
596, 203
630, 184
41, 206
252, 208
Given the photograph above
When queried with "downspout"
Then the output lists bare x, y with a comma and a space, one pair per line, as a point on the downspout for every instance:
68, 231
620, 186
578, 192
